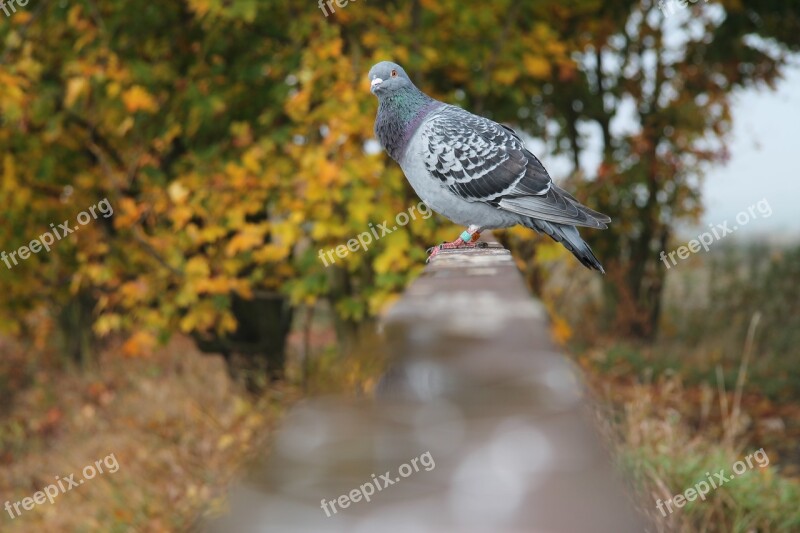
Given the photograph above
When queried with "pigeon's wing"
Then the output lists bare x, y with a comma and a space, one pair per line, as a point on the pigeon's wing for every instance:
480, 160
483, 161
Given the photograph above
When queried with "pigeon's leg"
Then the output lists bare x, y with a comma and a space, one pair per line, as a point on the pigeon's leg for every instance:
467, 239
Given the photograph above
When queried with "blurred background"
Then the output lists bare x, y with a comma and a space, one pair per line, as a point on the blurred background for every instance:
234, 141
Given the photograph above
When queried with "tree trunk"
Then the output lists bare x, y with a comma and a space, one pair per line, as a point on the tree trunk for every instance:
263, 324
75, 326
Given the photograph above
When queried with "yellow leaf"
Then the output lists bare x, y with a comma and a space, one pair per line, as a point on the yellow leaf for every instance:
201, 7
75, 87
212, 233
177, 192
23, 17
188, 323
561, 330
249, 237
225, 441
106, 324
132, 291
217, 285
395, 256
140, 344
113, 89
181, 215
138, 99
197, 267
9, 173
271, 253
127, 213
506, 76
228, 324
536, 66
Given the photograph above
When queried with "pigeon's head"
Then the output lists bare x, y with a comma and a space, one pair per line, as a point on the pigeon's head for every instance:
387, 78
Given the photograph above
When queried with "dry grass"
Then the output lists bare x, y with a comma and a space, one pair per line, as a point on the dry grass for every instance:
668, 436
717, 385
176, 423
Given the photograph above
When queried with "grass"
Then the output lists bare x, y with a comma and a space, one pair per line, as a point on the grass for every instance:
718, 384
665, 447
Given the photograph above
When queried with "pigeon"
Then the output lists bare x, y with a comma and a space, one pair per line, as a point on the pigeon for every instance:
472, 170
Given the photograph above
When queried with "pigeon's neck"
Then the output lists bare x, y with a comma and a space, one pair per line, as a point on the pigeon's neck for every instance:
399, 116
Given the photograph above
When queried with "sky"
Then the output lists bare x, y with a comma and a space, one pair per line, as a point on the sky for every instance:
764, 164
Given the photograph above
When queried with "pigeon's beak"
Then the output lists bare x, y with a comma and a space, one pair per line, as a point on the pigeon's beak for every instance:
374, 84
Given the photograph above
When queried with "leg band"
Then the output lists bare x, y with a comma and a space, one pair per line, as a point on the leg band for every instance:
469, 237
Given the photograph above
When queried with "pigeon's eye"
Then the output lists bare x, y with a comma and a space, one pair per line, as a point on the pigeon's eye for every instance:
394, 73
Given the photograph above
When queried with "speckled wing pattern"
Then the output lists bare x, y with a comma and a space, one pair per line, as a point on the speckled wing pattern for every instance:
483, 161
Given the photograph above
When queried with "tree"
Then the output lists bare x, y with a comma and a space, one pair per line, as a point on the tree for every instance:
670, 75
234, 142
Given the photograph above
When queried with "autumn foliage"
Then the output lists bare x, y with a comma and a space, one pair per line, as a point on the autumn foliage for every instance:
234, 140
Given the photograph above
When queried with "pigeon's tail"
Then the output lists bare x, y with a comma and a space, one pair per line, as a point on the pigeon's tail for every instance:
569, 237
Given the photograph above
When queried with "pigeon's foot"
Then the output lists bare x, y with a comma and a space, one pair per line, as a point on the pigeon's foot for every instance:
458, 243
466, 240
